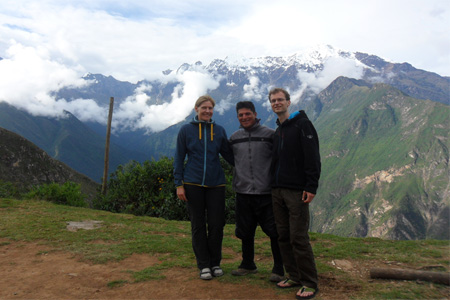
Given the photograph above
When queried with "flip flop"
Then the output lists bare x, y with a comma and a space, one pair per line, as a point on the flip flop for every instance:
306, 289
289, 284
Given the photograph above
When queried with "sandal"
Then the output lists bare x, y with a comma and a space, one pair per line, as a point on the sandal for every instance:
287, 284
306, 289
205, 274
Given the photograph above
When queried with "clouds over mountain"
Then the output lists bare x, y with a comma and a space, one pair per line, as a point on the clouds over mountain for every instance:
48, 45
135, 112
154, 105
30, 76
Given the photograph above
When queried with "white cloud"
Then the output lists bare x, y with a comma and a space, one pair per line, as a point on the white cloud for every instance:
86, 110
136, 40
29, 76
224, 105
403, 30
253, 91
296, 95
333, 68
135, 112
130, 42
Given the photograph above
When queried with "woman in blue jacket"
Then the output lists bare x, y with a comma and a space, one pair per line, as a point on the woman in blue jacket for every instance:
201, 184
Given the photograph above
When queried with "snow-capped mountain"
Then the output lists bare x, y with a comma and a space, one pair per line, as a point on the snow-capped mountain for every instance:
313, 70
360, 103
311, 61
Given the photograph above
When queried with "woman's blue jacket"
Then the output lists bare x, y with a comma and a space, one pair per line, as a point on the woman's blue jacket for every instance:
202, 142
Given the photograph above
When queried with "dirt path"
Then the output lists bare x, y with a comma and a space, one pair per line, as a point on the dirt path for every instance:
33, 271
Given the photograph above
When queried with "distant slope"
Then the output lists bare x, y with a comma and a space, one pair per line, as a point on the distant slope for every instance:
385, 163
67, 140
417, 83
26, 165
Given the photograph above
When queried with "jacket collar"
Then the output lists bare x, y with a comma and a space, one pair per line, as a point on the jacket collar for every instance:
294, 117
196, 121
253, 127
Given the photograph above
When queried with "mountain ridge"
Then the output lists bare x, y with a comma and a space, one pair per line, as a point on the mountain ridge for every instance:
66, 139
378, 160
379, 136
26, 165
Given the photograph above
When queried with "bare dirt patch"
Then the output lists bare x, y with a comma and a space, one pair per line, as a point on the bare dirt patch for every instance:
34, 271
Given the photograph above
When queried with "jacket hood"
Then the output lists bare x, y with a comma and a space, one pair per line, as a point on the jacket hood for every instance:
294, 117
195, 120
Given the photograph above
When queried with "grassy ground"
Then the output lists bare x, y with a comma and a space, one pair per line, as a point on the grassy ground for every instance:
121, 235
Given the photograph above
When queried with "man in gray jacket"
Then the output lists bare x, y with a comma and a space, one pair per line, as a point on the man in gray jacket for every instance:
252, 149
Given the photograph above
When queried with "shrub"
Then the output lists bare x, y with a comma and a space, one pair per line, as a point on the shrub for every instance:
68, 194
8, 190
143, 189
230, 203
149, 189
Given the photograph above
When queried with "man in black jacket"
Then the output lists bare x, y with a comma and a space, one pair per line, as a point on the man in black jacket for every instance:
295, 177
252, 150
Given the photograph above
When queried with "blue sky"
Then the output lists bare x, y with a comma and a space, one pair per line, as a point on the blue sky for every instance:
48, 44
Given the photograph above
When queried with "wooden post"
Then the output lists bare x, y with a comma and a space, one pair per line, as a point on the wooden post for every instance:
405, 274
108, 135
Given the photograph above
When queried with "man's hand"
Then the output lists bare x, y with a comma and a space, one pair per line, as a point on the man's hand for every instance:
307, 197
181, 194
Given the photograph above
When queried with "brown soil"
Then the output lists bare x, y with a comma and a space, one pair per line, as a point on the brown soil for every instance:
34, 271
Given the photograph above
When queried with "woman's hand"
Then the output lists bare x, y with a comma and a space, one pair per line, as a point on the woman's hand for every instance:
181, 194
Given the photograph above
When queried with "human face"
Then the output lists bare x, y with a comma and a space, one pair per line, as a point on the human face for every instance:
246, 117
279, 103
204, 111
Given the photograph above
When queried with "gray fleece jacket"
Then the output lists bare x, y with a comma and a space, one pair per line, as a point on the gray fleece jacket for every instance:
252, 150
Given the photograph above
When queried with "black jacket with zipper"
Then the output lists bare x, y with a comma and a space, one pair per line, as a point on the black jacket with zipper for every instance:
296, 158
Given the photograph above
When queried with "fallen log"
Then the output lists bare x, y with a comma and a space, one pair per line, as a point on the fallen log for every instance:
405, 274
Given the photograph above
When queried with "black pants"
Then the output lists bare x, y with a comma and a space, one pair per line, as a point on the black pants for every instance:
252, 210
292, 218
206, 208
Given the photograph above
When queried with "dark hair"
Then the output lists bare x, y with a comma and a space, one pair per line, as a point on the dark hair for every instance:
245, 104
277, 90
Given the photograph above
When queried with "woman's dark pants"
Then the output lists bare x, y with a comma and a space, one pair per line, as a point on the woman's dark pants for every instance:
206, 207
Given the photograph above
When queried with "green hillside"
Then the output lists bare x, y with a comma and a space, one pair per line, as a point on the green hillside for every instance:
344, 264
66, 139
25, 166
385, 163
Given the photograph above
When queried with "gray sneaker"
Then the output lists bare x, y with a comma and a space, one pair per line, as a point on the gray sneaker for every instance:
217, 271
243, 272
205, 274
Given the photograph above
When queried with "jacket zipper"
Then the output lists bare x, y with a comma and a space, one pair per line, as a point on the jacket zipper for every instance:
250, 149
280, 146
204, 159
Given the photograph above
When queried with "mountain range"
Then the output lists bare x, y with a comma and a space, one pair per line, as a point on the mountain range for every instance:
383, 129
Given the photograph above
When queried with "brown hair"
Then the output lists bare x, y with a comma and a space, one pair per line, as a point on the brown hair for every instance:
204, 98
277, 90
